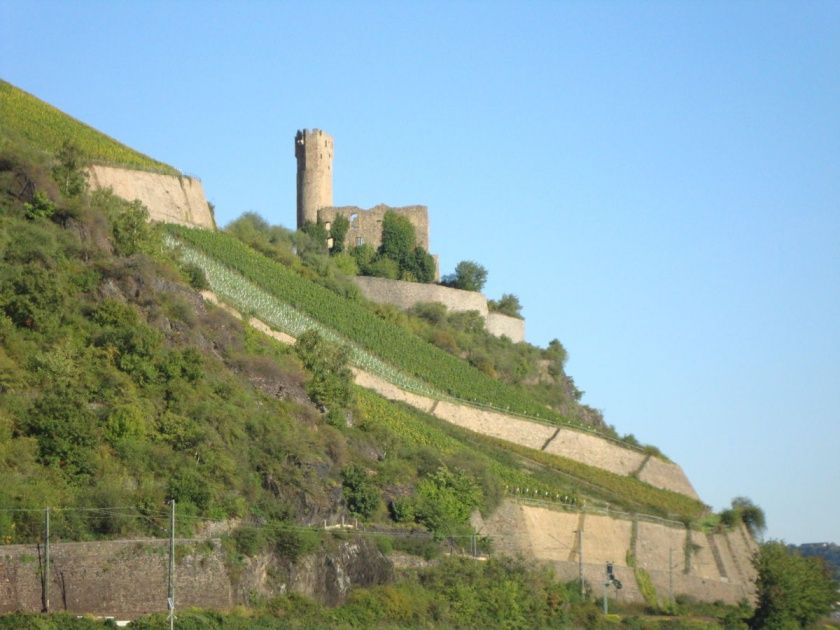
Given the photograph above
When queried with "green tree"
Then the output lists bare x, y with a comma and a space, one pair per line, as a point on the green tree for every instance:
330, 385
445, 500
69, 171
338, 231
744, 511
469, 276
130, 226
793, 592
398, 238
317, 232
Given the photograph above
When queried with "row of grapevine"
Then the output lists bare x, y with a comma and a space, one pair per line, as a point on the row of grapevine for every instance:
420, 430
407, 352
553, 479
47, 127
249, 298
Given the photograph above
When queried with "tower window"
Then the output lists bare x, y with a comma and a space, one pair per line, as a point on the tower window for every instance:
359, 241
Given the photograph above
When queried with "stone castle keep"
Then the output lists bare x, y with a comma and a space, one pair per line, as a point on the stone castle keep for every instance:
314, 153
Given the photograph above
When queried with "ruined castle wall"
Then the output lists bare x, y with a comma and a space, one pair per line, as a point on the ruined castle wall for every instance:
366, 225
169, 198
506, 326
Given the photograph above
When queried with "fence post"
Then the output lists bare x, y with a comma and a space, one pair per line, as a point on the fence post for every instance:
170, 599
47, 560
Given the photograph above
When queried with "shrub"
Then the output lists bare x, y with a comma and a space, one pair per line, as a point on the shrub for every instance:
445, 501
508, 305
361, 495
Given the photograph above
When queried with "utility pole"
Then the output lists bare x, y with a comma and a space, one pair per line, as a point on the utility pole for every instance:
47, 560
671, 576
170, 600
580, 562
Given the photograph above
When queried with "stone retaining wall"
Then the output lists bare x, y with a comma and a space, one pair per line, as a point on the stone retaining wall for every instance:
404, 295
505, 326
169, 198
128, 578
551, 535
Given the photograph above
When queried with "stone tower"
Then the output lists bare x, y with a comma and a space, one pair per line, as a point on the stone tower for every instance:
314, 152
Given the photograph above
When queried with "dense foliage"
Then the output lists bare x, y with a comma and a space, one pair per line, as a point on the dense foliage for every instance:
43, 125
793, 591
830, 552
398, 257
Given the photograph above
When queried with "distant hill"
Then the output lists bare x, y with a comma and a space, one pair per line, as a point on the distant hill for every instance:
829, 552
38, 123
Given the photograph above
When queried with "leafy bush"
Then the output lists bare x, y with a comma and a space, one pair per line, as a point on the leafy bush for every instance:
361, 495
508, 305
331, 378
444, 501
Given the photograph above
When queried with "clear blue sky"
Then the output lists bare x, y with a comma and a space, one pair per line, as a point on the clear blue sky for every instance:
659, 182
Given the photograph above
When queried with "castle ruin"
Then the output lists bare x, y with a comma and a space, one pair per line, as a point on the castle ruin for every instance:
314, 154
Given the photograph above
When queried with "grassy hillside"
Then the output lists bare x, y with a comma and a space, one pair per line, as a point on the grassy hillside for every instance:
32, 120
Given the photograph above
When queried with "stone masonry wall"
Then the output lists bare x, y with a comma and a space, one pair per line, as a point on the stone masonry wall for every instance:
128, 578
505, 326
169, 198
406, 294
551, 535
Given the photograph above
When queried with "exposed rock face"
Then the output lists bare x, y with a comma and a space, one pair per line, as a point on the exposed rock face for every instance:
325, 577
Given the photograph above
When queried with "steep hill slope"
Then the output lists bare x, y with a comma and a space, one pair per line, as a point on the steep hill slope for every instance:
122, 388
28, 118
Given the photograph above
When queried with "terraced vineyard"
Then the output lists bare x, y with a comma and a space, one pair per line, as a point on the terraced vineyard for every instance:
550, 477
417, 430
46, 127
390, 343
250, 298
